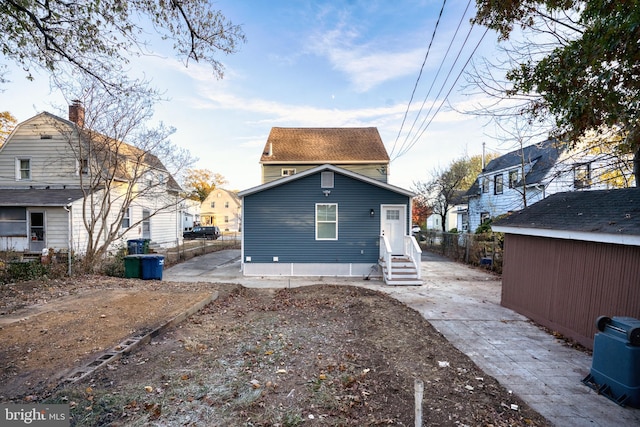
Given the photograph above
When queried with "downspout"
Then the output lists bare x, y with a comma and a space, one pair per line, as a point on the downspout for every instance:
69, 237
241, 228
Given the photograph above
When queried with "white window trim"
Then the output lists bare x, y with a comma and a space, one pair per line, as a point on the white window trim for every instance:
126, 216
287, 171
19, 170
336, 221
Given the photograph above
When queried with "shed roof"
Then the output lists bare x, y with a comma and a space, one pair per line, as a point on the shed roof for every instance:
38, 197
324, 145
598, 215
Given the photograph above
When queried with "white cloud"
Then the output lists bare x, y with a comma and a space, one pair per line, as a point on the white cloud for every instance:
365, 65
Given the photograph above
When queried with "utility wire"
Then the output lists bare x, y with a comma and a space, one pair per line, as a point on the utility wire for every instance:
439, 91
446, 96
436, 78
419, 75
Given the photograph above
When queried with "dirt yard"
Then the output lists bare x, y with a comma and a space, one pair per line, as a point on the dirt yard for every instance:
319, 355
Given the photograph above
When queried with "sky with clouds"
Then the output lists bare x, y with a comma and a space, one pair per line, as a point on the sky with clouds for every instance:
333, 63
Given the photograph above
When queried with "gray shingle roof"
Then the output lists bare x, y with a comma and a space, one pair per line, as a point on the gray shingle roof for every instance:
38, 197
544, 155
603, 211
324, 145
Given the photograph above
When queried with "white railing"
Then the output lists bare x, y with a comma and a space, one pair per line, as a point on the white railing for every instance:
413, 251
385, 255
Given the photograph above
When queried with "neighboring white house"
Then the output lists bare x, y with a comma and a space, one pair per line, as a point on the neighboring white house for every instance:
190, 210
222, 208
434, 221
533, 173
49, 170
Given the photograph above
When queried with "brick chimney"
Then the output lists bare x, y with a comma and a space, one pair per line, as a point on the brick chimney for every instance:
76, 113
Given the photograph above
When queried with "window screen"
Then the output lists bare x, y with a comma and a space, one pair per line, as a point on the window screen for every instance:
13, 222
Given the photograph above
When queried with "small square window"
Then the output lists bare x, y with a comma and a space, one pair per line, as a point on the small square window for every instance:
287, 172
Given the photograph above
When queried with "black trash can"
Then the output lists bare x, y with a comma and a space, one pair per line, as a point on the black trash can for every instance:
135, 246
151, 267
615, 367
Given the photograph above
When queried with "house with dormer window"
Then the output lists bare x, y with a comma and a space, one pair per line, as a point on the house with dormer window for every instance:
325, 208
525, 176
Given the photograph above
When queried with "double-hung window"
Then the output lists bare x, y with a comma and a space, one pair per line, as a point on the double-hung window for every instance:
326, 221
497, 184
23, 169
582, 176
513, 178
484, 184
126, 218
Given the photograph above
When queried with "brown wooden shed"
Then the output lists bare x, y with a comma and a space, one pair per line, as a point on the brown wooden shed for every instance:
573, 257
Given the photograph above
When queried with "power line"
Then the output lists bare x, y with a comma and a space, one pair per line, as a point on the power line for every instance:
419, 75
436, 77
446, 96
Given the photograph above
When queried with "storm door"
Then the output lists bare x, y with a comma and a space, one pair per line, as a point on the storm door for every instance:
146, 224
36, 232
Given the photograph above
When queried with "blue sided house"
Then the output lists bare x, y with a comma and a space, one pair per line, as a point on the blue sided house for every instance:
325, 209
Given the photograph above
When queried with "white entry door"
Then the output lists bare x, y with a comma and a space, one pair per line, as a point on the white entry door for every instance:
393, 226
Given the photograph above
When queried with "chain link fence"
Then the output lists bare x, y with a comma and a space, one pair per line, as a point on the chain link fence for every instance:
475, 249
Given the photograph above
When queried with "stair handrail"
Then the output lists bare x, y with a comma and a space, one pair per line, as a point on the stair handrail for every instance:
385, 255
413, 251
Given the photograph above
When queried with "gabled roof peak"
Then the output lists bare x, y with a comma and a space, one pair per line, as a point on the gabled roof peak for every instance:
324, 145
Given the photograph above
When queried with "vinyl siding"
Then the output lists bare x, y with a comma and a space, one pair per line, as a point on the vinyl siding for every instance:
280, 221
52, 162
273, 172
217, 214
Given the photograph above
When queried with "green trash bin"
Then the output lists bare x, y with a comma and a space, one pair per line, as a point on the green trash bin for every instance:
132, 266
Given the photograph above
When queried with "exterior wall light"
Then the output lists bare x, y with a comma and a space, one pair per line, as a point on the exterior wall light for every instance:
372, 213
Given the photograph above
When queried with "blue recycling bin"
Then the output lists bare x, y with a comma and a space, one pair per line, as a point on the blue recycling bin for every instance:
615, 366
135, 246
151, 267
